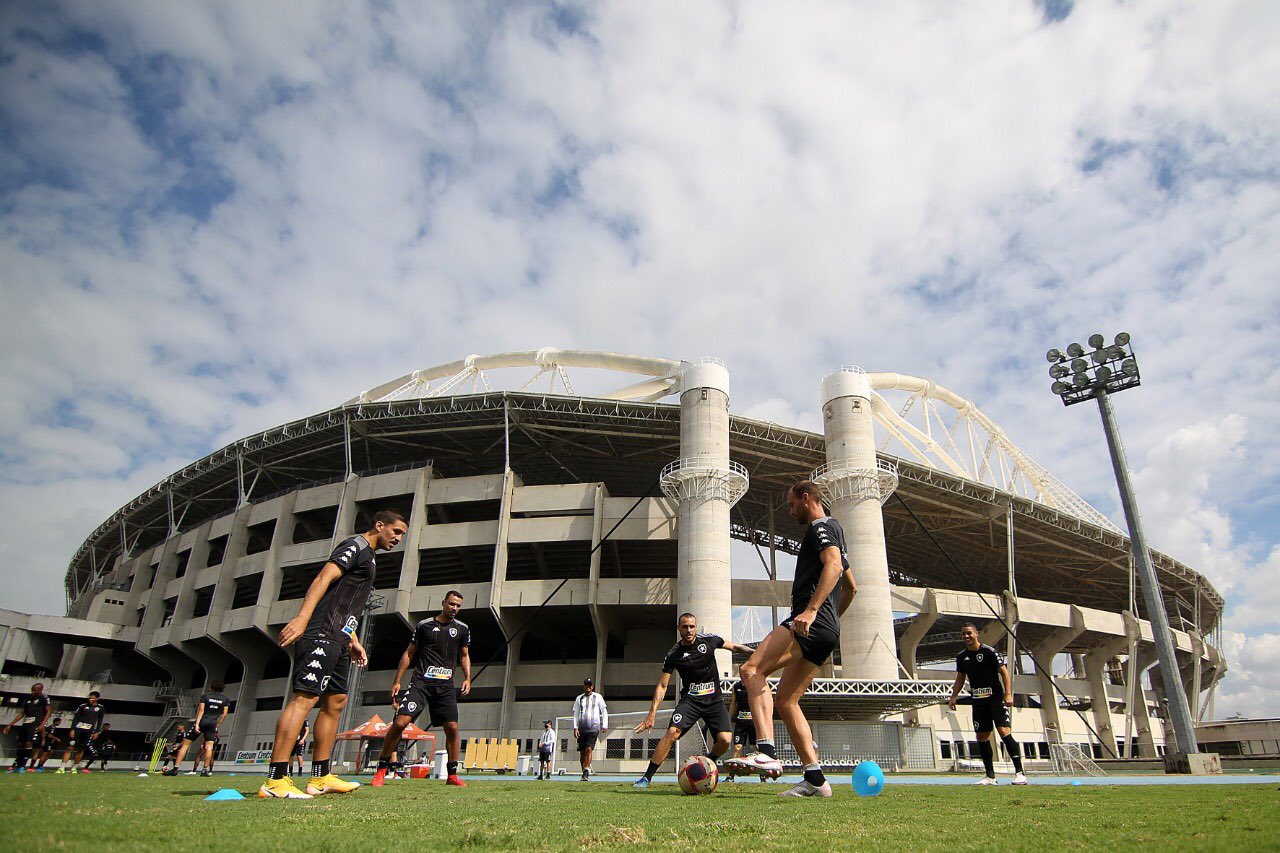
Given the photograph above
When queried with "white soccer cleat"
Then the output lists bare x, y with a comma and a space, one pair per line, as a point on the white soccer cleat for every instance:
805, 789
986, 780
756, 763
1019, 779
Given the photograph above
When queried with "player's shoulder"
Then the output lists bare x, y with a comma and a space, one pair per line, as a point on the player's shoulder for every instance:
672, 652
463, 625
826, 530
708, 638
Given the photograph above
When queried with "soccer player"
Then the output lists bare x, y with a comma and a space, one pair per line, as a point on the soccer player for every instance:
171, 751
31, 718
823, 589
439, 644
299, 745
992, 689
744, 731
546, 744
48, 744
211, 710
85, 723
104, 748
694, 657
324, 632
590, 723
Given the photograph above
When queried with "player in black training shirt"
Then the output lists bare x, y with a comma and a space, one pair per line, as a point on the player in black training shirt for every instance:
744, 728
694, 657
823, 588
172, 749
31, 718
104, 748
85, 724
992, 689
325, 633
300, 745
47, 745
211, 710
439, 644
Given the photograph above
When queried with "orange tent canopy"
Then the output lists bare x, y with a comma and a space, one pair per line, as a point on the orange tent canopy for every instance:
376, 727
373, 727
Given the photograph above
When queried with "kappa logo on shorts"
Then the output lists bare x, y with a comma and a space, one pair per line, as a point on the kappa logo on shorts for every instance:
318, 651
310, 676
315, 664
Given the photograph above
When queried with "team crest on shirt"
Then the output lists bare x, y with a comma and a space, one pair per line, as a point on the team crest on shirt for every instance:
453, 632
979, 657
702, 648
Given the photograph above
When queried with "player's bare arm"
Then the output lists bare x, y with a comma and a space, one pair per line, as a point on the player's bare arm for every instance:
292, 631
659, 693
466, 670
955, 690
848, 589
1007, 680
832, 568
359, 656
737, 648
405, 660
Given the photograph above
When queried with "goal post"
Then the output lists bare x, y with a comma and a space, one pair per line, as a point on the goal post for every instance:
623, 744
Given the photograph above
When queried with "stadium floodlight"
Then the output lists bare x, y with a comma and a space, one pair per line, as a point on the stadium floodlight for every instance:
1058, 371
1053, 355
1116, 370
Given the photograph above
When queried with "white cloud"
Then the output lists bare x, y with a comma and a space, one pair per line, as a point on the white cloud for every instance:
202, 207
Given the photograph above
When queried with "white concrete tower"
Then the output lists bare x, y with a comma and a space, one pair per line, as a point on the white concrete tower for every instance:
706, 485
856, 486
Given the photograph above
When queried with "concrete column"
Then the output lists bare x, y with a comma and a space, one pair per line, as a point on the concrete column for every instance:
706, 487
1141, 710
852, 484
400, 598
1043, 654
600, 621
1095, 670
916, 630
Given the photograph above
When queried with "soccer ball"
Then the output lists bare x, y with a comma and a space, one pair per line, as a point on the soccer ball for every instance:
699, 775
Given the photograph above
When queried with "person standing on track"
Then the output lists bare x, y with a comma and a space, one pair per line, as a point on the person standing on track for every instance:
31, 720
992, 689
300, 745
325, 646
440, 644
823, 589
694, 657
590, 723
546, 745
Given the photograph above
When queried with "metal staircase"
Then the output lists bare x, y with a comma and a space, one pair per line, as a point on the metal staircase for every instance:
180, 706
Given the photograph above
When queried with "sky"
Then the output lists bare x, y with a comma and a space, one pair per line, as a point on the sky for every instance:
217, 217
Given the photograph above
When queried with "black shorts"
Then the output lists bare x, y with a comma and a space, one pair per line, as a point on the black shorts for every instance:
190, 734
79, 739
991, 714
27, 733
209, 731
587, 739
544, 753
744, 733
818, 646
320, 666
439, 700
297, 750
710, 710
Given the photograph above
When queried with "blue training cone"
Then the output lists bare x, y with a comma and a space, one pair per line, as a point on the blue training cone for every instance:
225, 794
868, 779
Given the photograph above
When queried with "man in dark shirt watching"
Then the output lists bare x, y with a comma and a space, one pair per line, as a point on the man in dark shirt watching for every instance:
992, 689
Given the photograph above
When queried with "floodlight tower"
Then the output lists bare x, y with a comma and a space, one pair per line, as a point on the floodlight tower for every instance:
1115, 368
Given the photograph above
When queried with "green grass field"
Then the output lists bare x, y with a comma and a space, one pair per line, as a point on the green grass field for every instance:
118, 811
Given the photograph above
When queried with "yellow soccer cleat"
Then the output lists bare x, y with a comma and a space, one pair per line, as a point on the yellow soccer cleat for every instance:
281, 789
330, 785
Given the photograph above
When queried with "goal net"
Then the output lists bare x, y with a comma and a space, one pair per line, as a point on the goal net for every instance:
623, 743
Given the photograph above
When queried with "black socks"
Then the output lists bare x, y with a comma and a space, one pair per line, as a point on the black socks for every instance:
1015, 752
988, 762
653, 768
277, 770
814, 776
319, 768
452, 768
767, 747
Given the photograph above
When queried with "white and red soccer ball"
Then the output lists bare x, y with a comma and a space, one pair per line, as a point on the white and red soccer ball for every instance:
699, 775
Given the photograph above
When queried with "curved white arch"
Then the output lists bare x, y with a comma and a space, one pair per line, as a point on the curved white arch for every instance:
983, 453
968, 444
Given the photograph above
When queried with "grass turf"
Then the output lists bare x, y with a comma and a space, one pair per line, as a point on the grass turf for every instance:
117, 811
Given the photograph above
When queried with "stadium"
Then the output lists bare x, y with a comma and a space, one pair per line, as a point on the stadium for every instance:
579, 501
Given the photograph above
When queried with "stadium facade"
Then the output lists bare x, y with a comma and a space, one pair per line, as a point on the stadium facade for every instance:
580, 524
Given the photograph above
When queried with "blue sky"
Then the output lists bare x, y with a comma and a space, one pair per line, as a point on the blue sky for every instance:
218, 217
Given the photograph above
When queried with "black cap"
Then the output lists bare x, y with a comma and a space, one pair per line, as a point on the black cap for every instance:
546, 722
587, 682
